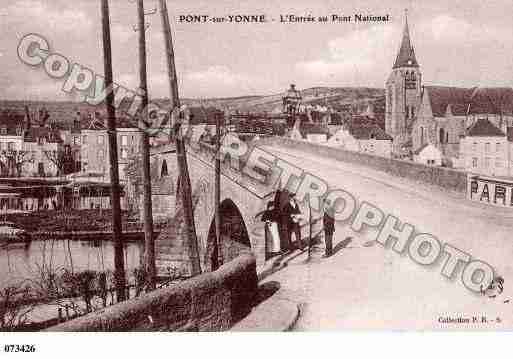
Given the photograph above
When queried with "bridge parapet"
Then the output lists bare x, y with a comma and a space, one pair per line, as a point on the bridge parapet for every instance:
237, 169
212, 301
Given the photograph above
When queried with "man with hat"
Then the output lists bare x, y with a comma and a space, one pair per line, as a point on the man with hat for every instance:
328, 221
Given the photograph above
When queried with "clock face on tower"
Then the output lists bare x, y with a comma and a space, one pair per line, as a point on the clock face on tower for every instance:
409, 62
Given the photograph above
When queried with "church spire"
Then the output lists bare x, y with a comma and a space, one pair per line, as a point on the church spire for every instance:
406, 55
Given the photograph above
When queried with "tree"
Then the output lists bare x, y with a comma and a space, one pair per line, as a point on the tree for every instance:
12, 161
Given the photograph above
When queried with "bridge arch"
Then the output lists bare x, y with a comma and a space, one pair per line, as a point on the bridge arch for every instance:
233, 229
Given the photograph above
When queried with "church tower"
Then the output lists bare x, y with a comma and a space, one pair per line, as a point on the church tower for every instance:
403, 91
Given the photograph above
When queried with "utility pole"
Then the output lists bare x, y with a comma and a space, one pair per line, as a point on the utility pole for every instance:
149, 242
218, 192
181, 156
119, 265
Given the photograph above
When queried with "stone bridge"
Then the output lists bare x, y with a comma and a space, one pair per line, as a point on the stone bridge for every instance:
243, 198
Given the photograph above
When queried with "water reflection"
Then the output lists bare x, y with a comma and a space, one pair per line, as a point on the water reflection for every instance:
22, 263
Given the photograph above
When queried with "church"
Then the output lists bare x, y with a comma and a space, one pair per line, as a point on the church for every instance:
417, 114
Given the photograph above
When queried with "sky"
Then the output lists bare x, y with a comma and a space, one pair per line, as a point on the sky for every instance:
457, 43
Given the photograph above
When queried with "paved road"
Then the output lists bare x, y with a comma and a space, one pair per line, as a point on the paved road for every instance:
367, 286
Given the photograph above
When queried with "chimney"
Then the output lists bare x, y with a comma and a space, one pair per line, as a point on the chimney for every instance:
28, 118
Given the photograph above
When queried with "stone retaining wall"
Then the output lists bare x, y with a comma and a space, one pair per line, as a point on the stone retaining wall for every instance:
443, 177
212, 301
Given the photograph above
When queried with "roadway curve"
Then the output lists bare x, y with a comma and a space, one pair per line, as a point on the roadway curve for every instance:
367, 286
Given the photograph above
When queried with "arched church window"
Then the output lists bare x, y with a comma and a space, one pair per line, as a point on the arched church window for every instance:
421, 135
442, 136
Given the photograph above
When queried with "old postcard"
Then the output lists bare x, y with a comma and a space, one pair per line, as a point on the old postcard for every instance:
192, 166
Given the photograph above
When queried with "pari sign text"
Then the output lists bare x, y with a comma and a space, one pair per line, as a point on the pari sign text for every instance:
489, 190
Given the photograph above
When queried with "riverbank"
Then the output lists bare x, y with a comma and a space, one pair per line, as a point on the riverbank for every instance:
73, 221
89, 235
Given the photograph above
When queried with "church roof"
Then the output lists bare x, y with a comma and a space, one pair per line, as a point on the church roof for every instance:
464, 101
442, 96
484, 128
491, 100
406, 56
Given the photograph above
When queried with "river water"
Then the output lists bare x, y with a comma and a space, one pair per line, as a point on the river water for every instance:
19, 264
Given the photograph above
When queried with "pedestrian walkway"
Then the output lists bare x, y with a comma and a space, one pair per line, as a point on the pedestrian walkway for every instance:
366, 286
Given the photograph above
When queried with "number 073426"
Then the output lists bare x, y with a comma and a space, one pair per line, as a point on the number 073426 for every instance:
19, 348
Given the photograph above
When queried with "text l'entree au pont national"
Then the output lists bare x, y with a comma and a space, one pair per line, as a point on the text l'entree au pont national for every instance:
283, 18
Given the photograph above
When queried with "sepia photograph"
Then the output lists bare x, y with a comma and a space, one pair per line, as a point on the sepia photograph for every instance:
255, 166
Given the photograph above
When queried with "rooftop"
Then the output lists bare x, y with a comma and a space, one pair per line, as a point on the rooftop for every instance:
484, 128
470, 101
368, 131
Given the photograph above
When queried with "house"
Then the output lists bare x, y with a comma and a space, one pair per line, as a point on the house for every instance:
29, 145
428, 155
343, 140
95, 149
309, 131
486, 149
47, 155
363, 137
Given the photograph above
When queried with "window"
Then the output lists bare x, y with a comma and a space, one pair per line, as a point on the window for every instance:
4, 131
10, 146
84, 139
487, 147
474, 146
84, 155
164, 171
124, 153
430, 162
76, 140
498, 162
474, 162
100, 139
421, 135
100, 154
497, 147
487, 162
124, 140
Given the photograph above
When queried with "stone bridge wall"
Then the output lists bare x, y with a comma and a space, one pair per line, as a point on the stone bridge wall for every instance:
212, 301
443, 177
247, 194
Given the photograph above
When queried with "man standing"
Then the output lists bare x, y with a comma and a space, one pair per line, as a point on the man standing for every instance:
328, 221
294, 215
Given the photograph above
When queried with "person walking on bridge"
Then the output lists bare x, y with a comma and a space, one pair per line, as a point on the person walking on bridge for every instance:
293, 214
328, 221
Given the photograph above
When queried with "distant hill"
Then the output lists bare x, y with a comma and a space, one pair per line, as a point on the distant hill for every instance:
339, 98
